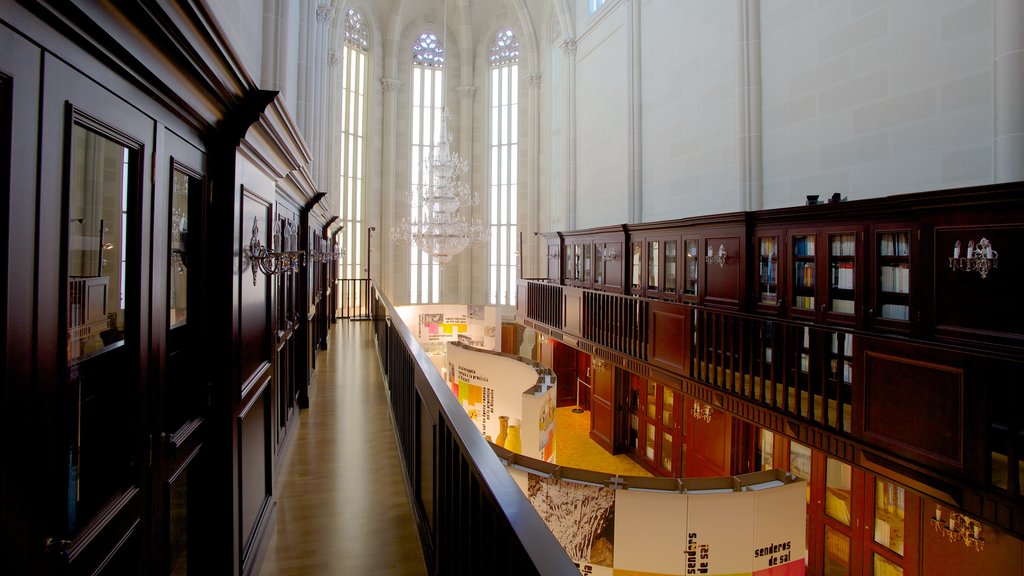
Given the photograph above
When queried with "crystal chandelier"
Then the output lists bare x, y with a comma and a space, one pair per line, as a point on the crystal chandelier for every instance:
437, 227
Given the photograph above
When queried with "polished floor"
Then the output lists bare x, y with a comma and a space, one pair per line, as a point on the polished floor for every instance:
342, 507
341, 503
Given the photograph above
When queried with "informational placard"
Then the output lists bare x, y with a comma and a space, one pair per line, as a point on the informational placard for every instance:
436, 324
758, 531
538, 431
582, 519
489, 385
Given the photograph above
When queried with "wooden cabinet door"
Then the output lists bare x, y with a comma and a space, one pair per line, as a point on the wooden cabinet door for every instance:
602, 405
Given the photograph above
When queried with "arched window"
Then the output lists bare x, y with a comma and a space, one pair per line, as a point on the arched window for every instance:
427, 104
504, 166
352, 128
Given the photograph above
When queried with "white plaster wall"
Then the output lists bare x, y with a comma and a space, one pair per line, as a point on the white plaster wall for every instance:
689, 105
242, 23
869, 98
602, 114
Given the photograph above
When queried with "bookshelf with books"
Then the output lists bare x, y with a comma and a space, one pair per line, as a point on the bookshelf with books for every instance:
766, 247
804, 274
691, 267
891, 307
843, 298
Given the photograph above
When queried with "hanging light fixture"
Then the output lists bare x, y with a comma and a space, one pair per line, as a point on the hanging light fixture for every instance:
437, 227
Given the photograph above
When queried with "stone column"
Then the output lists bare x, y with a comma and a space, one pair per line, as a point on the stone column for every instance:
750, 179
634, 122
569, 48
318, 116
1009, 90
465, 271
389, 123
528, 269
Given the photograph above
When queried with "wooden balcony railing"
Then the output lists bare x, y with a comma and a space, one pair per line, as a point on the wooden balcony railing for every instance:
472, 516
935, 416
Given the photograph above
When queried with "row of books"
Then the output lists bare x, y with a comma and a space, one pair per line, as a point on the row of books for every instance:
769, 248
844, 244
847, 345
894, 244
896, 279
803, 302
803, 245
803, 274
767, 272
842, 275
896, 311
843, 306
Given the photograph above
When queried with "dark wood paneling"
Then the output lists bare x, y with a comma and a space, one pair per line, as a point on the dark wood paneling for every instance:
669, 340
573, 306
254, 320
915, 407
707, 444
723, 284
602, 406
255, 479
963, 304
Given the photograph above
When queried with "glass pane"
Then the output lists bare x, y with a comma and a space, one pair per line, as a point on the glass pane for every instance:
883, 567
837, 553
652, 265
894, 275
666, 451
577, 262
652, 399
767, 450
690, 287
768, 260
842, 254
800, 464
635, 275
889, 501
95, 242
667, 400
599, 263
803, 272
651, 439
670, 267
99, 454
178, 298
586, 262
178, 517
837, 490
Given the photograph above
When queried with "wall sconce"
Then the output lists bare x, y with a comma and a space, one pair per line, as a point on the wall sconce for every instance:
981, 258
323, 257
702, 411
597, 363
609, 255
179, 260
270, 262
720, 258
959, 528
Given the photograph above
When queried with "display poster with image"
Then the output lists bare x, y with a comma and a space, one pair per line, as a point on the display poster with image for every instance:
779, 540
582, 518
539, 422
719, 533
488, 386
436, 324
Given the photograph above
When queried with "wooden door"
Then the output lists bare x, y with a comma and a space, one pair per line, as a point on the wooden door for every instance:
179, 401
94, 316
603, 405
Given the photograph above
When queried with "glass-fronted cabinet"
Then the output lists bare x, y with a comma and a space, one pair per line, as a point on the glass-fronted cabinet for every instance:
891, 285
825, 272
767, 251
690, 268
655, 422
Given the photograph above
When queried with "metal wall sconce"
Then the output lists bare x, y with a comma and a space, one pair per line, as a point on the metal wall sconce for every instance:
959, 528
720, 258
702, 411
609, 255
268, 261
179, 260
981, 258
324, 257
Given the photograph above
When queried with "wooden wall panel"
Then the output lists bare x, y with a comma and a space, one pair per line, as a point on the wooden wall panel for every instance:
723, 285
254, 450
573, 307
963, 299
254, 292
669, 341
915, 407
707, 444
